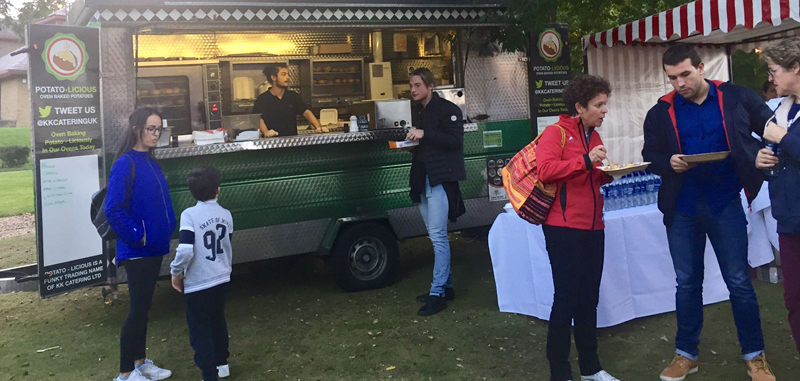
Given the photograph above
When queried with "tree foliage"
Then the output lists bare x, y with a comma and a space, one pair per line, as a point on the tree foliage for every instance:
584, 17
30, 11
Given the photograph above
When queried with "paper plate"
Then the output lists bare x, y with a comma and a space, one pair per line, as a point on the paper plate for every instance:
625, 170
706, 157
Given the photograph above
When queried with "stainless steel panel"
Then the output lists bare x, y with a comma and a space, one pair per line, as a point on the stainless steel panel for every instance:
407, 222
394, 113
455, 95
269, 242
118, 83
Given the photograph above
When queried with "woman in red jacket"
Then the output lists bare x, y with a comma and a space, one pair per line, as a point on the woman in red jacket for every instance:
573, 229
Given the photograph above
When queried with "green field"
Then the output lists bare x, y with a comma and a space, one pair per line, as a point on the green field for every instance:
12, 136
288, 320
16, 192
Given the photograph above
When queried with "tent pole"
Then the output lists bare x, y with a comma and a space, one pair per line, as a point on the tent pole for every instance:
730, 62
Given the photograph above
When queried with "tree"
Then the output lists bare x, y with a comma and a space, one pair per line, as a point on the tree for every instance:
584, 17
31, 11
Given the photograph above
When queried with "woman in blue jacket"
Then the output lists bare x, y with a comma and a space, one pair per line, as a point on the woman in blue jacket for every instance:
139, 210
783, 59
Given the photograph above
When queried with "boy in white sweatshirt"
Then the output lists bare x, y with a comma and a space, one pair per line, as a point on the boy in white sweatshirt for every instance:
202, 269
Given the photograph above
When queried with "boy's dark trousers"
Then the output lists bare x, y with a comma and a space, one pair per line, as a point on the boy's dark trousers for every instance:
208, 331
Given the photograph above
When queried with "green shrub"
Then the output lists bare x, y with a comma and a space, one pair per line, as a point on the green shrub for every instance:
14, 156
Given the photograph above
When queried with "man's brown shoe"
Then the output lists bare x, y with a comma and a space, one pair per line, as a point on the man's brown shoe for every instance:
679, 368
759, 370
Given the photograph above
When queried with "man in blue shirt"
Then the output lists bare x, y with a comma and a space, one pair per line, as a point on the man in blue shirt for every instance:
700, 201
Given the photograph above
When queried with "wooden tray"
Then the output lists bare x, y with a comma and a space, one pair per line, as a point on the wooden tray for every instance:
706, 157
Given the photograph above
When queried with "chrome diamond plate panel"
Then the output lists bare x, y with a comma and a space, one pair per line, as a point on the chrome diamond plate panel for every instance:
501, 85
288, 142
118, 83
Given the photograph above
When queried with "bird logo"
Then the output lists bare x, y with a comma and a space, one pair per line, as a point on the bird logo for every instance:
44, 112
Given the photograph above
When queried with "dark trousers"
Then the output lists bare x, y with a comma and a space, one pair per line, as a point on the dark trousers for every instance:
727, 232
208, 331
790, 261
576, 258
142, 276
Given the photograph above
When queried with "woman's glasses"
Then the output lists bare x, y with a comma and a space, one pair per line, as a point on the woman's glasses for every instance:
153, 130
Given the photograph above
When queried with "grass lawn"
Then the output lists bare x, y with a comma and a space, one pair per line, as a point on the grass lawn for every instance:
15, 136
16, 193
17, 251
289, 321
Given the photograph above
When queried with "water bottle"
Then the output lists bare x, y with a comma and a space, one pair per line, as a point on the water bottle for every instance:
657, 186
628, 188
776, 150
604, 193
639, 189
651, 189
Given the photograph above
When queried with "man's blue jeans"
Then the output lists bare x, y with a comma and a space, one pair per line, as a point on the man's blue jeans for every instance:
434, 209
728, 235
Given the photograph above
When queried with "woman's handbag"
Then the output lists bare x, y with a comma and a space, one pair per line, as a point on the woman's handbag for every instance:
530, 197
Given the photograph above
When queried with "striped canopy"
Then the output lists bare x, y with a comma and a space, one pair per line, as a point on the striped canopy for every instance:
708, 22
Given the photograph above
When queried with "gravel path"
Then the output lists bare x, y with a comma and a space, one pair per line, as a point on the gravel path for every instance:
17, 225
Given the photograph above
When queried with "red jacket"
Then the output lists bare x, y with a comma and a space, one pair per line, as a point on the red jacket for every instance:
578, 203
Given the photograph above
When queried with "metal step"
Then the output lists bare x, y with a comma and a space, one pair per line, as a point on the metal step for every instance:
19, 279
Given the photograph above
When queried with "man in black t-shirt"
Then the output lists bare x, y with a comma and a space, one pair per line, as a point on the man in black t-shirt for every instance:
278, 106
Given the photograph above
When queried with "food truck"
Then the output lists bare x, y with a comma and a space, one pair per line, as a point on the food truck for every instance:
339, 194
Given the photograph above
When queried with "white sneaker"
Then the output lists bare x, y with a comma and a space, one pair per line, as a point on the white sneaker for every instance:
223, 371
136, 375
154, 373
599, 376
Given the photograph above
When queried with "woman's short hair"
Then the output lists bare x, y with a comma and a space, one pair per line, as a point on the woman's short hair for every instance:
582, 89
785, 53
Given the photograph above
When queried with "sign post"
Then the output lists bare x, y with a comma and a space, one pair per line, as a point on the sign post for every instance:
549, 55
64, 81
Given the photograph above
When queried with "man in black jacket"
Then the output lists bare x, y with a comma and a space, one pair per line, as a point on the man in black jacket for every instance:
436, 168
702, 200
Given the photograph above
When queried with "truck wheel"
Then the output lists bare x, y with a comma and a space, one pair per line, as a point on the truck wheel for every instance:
365, 256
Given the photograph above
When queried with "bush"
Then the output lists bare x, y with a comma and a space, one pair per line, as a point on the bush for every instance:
14, 156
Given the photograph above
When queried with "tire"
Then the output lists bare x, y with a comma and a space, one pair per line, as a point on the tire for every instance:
365, 256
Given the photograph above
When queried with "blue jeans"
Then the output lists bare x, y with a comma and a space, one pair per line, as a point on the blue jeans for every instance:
434, 209
728, 235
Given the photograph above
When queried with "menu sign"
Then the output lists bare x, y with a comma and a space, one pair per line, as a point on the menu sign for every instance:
550, 71
64, 80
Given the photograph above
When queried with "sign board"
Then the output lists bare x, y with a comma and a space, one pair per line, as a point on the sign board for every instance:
550, 73
64, 81
494, 177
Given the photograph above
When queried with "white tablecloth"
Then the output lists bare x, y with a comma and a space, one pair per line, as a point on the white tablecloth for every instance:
638, 277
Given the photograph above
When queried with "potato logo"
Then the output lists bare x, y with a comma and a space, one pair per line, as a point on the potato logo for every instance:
65, 56
550, 45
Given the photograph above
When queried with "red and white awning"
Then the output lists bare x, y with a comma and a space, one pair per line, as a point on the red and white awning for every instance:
707, 22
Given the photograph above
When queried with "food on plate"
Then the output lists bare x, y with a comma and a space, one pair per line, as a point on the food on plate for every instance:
156, 92
337, 80
65, 60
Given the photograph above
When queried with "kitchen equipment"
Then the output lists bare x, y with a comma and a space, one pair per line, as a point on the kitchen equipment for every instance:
236, 124
244, 88
380, 81
166, 135
382, 114
328, 116
186, 94
455, 95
